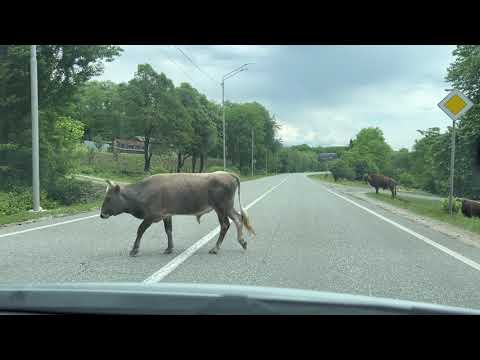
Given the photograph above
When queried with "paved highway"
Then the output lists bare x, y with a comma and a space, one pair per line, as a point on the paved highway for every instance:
309, 236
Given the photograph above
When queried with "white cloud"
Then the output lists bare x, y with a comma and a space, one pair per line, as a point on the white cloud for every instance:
399, 109
323, 94
289, 133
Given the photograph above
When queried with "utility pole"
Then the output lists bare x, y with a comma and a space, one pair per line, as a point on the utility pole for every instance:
35, 146
223, 108
252, 153
225, 77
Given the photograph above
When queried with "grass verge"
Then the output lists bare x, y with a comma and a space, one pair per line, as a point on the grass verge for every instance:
432, 209
329, 179
57, 212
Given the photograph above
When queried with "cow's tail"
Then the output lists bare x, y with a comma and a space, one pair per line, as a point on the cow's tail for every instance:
245, 219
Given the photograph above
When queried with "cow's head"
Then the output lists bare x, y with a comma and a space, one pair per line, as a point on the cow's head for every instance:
114, 202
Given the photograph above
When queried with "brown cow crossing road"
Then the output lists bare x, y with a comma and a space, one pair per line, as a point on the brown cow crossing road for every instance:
307, 237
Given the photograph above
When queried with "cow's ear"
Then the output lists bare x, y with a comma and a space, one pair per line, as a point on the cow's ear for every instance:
109, 182
116, 188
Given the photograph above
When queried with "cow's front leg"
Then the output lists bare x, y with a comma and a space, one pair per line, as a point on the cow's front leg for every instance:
141, 229
167, 222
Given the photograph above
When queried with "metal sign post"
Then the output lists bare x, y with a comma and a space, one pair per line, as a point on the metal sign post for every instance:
34, 110
223, 122
452, 170
455, 104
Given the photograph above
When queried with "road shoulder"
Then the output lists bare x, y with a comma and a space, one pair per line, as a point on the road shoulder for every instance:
454, 232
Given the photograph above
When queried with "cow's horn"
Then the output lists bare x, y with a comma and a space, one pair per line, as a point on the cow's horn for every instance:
109, 182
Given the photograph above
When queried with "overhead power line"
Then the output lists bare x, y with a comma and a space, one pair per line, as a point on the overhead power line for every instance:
194, 64
184, 72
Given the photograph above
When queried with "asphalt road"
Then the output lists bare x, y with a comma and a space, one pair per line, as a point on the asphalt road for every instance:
307, 237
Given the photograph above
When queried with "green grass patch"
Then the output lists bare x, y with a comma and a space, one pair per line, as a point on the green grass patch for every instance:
133, 164
115, 177
329, 178
432, 209
129, 167
57, 212
67, 198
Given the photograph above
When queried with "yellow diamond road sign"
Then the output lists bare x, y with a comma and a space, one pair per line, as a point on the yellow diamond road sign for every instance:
455, 104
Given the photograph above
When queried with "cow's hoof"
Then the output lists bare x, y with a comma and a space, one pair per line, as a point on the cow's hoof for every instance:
133, 252
244, 244
213, 251
168, 251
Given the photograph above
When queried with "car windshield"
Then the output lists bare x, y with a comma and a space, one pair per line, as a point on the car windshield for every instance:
345, 169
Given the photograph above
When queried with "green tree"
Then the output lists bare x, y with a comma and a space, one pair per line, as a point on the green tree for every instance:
340, 169
369, 152
153, 110
464, 74
203, 125
62, 69
429, 161
241, 119
98, 105
401, 161
59, 146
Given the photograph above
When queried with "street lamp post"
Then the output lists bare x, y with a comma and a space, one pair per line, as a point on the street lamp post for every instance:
34, 111
225, 77
223, 121
252, 154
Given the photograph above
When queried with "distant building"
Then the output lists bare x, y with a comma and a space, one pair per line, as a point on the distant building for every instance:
135, 144
327, 156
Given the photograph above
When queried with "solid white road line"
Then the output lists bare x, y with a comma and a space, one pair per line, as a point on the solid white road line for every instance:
49, 226
178, 260
446, 250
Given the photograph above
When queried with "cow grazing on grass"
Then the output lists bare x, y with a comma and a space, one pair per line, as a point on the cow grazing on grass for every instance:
470, 208
159, 197
384, 182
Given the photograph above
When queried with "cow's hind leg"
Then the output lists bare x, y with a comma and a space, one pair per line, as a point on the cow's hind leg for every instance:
224, 225
237, 219
167, 222
141, 229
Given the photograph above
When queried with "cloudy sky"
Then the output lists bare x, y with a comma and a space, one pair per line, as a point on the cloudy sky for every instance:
322, 95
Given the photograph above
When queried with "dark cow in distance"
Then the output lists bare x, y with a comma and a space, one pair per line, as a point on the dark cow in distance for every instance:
470, 208
159, 197
380, 181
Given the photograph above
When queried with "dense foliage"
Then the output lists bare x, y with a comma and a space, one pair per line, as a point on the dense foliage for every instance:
62, 71
178, 122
